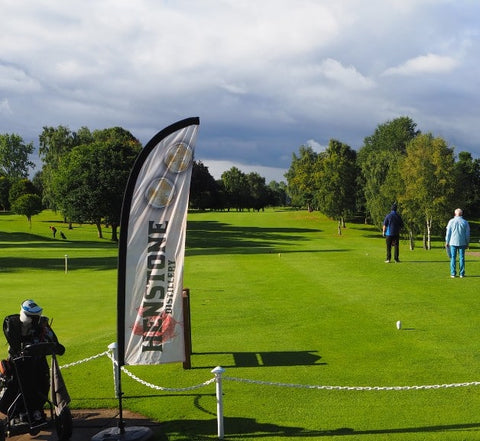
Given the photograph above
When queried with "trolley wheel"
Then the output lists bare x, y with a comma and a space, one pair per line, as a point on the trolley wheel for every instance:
64, 425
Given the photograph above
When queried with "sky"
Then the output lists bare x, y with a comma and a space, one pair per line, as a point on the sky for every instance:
264, 76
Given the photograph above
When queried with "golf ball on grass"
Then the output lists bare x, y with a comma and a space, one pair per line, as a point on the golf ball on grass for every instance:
399, 325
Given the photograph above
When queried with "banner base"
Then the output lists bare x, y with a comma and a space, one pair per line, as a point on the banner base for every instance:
134, 433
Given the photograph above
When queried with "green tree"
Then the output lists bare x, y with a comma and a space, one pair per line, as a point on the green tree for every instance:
90, 181
14, 154
37, 182
467, 184
427, 170
337, 180
5, 185
258, 194
236, 188
380, 155
28, 205
221, 198
203, 188
19, 188
278, 193
301, 184
55, 143
120, 149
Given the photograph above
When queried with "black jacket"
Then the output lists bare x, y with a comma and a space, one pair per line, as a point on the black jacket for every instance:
12, 328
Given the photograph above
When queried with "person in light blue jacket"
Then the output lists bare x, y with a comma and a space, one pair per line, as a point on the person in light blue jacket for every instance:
457, 239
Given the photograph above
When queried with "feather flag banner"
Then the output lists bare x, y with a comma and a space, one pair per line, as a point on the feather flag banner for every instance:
152, 247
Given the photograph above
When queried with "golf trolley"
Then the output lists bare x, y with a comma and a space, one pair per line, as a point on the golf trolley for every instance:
14, 399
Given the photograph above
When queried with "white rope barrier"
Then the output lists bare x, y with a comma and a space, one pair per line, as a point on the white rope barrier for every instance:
218, 372
272, 383
75, 363
111, 355
357, 388
168, 389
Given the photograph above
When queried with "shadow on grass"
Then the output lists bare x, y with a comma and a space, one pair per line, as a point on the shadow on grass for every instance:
243, 428
12, 264
246, 428
267, 359
27, 240
216, 236
258, 250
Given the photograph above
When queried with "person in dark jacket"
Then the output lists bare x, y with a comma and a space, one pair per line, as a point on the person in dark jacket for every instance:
392, 225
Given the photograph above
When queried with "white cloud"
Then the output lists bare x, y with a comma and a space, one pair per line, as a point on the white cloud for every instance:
16, 80
236, 89
316, 146
424, 64
347, 77
264, 76
5, 107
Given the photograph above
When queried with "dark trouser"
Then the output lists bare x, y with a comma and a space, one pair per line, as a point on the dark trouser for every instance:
393, 241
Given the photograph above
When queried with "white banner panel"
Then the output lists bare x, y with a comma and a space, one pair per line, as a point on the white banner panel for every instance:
152, 248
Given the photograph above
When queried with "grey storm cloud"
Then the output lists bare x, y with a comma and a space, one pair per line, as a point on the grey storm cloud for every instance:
264, 77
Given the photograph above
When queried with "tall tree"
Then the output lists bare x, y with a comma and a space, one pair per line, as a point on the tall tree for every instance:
301, 178
120, 149
258, 191
236, 188
19, 188
203, 187
14, 153
380, 155
28, 205
278, 193
467, 184
37, 182
5, 185
337, 180
427, 170
55, 143
90, 181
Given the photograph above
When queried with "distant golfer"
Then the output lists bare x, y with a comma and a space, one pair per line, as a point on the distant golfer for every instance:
457, 239
392, 225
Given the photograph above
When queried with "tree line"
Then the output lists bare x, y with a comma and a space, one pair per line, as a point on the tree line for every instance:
397, 163
84, 174
235, 190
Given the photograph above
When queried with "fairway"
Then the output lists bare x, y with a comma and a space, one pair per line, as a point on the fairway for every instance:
282, 302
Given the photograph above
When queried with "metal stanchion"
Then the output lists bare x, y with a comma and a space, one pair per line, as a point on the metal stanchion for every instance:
218, 371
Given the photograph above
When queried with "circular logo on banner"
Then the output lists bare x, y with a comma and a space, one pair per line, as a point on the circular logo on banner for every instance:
178, 157
160, 193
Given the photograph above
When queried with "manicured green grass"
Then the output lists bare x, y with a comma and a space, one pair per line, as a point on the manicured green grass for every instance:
276, 297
